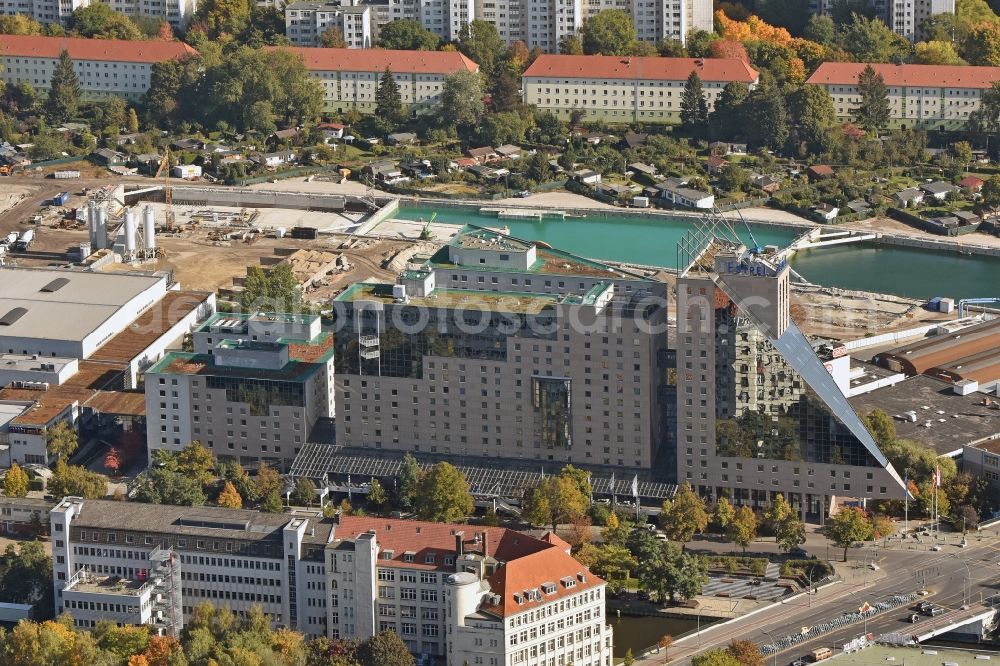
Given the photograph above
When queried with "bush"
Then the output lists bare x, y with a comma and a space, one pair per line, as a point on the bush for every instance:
813, 569
734, 563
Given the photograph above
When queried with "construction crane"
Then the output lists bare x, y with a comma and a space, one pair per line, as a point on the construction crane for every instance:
167, 194
426, 233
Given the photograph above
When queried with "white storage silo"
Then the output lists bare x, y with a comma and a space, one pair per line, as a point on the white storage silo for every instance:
101, 233
149, 229
129, 232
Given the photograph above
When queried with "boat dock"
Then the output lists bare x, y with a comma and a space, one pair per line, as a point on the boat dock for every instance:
537, 214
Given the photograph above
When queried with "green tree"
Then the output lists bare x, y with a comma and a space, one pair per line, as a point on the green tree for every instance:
377, 497
717, 657
925, 500
505, 93
480, 41
76, 481
409, 481
224, 17
982, 45
275, 290
271, 502
727, 117
407, 35
873, 111
609, 32
684, 516
385, 649
811, 113
882, 428
791, 14
27, 575
629, 659
734, 178
332, 38
694, 106
962, 152
196, 462
789, 531
556, 500
501, 128
64, 89
723, 514
570, 45
742, 529
821, 29
99, 21
20, 24
168, 485
305, 491
766, 118
229, 497
462, 98
936, 53
61, 439
850, 525
669, 573
920, 459
991, 191
388, 101
15, 482
612, 562
871, 40
443, 495
132, 121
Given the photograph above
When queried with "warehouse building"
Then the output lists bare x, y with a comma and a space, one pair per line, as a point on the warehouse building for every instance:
920, 96
625, 89
105, 67
458, 593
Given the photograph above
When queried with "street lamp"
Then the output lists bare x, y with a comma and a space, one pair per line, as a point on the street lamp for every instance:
968, 578
773, 642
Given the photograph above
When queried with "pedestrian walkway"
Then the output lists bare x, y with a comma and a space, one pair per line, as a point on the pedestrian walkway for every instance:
745, 588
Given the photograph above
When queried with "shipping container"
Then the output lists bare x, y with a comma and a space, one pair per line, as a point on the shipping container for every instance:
306, 233
65, 175
60, 199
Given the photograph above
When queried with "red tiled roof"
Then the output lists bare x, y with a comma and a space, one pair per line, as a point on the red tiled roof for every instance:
555, 540
79, 48
971, 181
931, 76
376, 60
632, 67
423, 538
529, 573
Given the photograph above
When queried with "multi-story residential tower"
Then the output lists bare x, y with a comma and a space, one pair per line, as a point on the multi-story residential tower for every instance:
350, 77
253, 389
306, 21
905, 17
461, 594
501, 348
920, 96
175, 12
625, 89
105, 67
758, 413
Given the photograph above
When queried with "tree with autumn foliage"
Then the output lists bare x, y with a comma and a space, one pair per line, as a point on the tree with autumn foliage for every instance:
728, 48
229, 497
113, 460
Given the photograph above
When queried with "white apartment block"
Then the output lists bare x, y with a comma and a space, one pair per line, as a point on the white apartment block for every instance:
350, 77
920, 96
502, 349
43, 11
462, 594
306, 21
253, 389
175, 12
903, 16
625, 90
105, 67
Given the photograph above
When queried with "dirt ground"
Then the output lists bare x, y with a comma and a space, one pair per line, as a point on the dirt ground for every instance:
889, 225
848, 315
11, 196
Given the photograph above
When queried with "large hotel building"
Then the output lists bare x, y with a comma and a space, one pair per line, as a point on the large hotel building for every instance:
499, 348
462, 594
758, 412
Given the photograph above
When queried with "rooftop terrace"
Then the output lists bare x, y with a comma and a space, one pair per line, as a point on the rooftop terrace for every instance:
493, 301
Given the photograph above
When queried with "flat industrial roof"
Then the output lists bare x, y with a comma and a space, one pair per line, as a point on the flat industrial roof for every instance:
150, 326
946, 348
491, 301
955, 420
32, 362
59, 304
9, 412
913, 656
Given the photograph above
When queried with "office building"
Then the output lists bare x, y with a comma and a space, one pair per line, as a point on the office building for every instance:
500, 348
625, 90
904, 17
305, 22
252, 390
105, 67
920, 96
350, 77
757, 412
458, 593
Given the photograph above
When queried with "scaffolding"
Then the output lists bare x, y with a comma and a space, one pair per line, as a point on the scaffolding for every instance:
168, 608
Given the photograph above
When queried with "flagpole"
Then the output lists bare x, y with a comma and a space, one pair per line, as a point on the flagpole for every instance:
906, 503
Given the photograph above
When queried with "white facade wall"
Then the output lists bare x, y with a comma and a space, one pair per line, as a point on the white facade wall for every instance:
345, 90
306, 22
98, 78
43, 11
175, 12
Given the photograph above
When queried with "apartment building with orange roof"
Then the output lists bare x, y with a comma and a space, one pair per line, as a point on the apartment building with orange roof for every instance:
105, 67
940, 97
626, 89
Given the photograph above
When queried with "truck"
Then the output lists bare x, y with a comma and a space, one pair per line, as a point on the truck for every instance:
24, 240
819, 654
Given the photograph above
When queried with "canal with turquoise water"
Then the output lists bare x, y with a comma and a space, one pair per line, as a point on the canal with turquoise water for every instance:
652, 241
640, 633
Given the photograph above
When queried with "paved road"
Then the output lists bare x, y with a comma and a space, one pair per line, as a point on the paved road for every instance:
944, 573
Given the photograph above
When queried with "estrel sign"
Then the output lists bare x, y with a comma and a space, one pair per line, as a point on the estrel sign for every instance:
754, 269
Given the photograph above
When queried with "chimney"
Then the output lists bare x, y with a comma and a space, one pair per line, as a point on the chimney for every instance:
459, 545
486, 543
